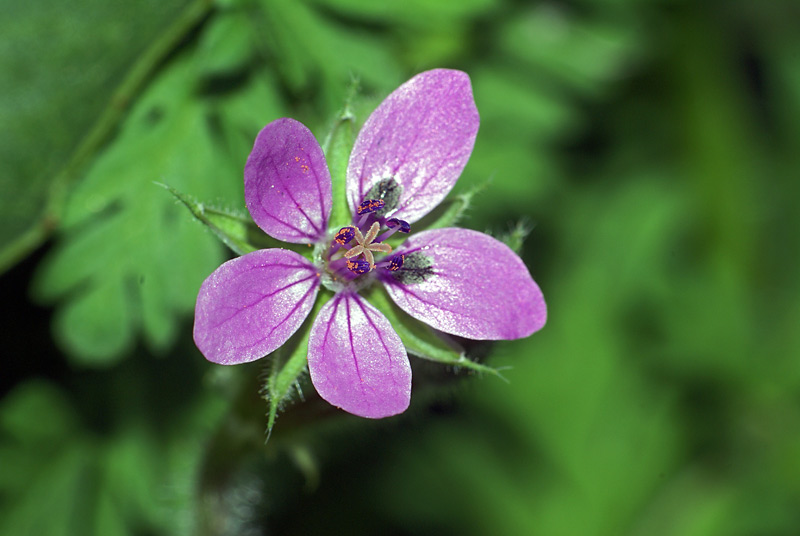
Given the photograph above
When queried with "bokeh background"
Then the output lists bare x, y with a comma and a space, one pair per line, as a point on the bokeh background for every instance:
652, 149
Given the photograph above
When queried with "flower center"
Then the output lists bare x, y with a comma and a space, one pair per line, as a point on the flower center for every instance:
362, 244
366, 246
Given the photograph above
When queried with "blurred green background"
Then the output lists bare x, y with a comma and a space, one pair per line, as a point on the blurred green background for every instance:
652, 147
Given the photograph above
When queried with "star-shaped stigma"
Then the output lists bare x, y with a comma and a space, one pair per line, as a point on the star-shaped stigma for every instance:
365, 245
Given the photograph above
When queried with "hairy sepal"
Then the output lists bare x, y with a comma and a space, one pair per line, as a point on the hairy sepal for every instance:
451, 211
234, 229
337, 147
287, 364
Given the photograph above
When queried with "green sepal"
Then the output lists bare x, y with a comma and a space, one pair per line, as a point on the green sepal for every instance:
450, 211
515, 237
420, 339
287, 364
337, 146
233, 228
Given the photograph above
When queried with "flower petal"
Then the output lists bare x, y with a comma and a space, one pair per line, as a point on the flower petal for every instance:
252, 304
287, 185
422, 135
357, 361
476, 287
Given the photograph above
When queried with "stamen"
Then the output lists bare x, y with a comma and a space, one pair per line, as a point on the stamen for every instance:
358, 266
369, 206
400, 225
345, 235
394, 226
396, 262
341, 238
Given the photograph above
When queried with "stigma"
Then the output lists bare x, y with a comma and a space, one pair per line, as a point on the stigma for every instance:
360, 257
366, 246
362, 243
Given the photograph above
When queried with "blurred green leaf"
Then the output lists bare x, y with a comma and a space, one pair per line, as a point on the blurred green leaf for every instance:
58, 484
46, 463
59, 477
130, 258
36, 413
227, 45
315, 51
412, 12
580, 53
516, 99
56, 86
704, 506
521, 118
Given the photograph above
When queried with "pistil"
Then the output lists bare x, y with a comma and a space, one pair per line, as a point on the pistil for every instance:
365, 245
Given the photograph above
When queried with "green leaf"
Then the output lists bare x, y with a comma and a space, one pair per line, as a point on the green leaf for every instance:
227, 46
411, 12
45, 461
65, 95
36, 410
419, 339
98, 323
287, 363
521, 172
510, 98
129, 259
90, 484
317, 52
582, 54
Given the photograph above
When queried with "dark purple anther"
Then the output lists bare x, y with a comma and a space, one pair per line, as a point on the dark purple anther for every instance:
345, 235
369, 206
396, 262
395, 225
358, 266
399, 225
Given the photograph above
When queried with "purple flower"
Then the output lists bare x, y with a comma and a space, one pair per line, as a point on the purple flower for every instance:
405, 160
